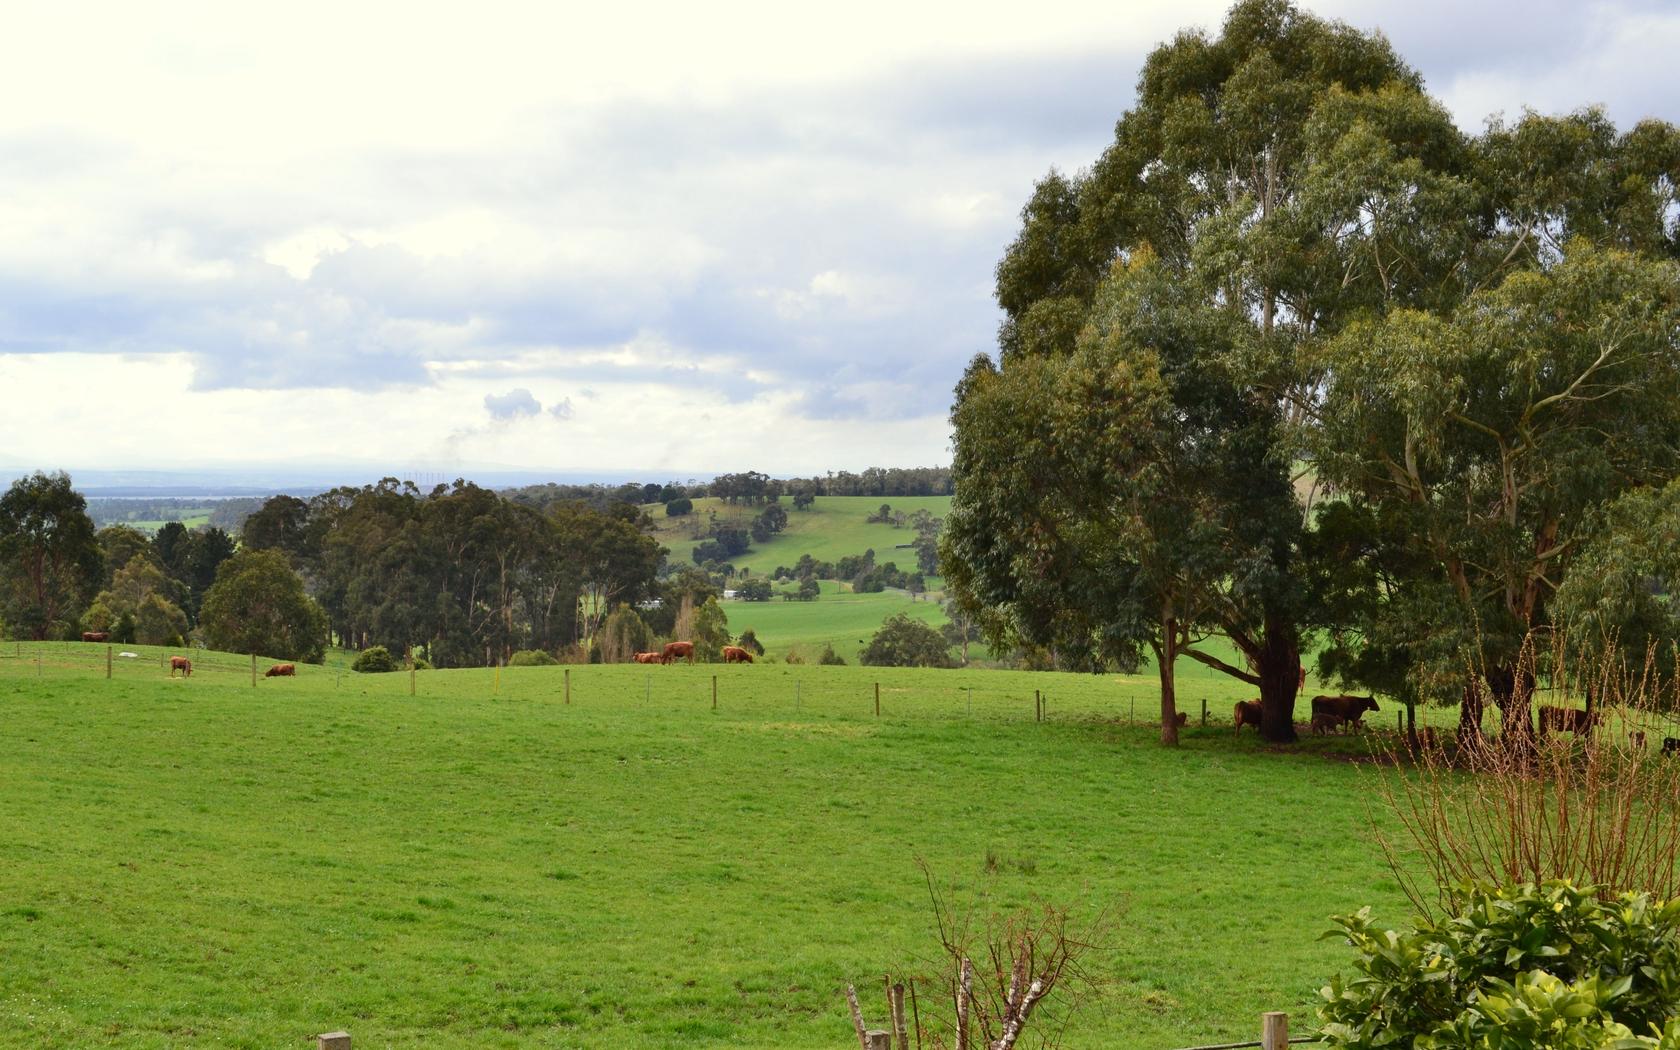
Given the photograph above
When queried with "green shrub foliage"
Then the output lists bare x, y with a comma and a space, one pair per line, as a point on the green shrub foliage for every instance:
1551, 966
906, 642
531, 658
375, 660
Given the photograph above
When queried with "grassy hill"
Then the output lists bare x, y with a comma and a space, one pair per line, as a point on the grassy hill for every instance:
832, 528
839, 618
204, 862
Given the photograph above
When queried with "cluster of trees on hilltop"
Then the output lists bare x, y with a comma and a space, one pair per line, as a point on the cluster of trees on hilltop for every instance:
750, 486
59, 576
460, 571
1291, 255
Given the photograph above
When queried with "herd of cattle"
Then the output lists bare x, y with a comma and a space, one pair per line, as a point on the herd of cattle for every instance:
184, 665
1335, 713
675, 651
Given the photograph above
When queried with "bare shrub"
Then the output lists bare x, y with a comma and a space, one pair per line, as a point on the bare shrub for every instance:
1596, 806
1001, 974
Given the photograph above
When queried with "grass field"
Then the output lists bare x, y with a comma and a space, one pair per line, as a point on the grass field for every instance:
201, 862
832, 528
839, 618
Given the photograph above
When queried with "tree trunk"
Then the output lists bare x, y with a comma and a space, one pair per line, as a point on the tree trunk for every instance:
1470, 717
1279, 666
1166, 654
1513, 689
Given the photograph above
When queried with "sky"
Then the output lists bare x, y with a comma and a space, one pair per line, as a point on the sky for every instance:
633, 237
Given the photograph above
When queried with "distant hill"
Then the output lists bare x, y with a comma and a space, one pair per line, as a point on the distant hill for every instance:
832, 528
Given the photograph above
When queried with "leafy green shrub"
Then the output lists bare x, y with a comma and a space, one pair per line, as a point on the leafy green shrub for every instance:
422, 664
1518, 967
531, 658
375, 660
906, 642
830, 658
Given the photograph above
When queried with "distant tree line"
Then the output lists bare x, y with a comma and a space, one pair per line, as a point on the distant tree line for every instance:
462, 572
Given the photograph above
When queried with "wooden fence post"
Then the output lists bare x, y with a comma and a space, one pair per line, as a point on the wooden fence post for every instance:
877, 699
1274, 1030
108, 661
895, 997
714, 692
568, 685
1204, 711
333, 1041
253, 670
1038, 710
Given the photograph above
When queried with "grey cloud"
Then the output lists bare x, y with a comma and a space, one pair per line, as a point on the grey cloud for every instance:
511, 405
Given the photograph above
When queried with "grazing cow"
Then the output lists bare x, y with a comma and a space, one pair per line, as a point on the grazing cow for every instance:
281, 671
1325, 723
181, 664
1567, 720
96, 636
675, 651
734, 654
648, 658
1247, 713
1349, 709
1670, 745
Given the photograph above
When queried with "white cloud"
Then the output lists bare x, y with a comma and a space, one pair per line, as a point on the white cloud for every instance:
357, 226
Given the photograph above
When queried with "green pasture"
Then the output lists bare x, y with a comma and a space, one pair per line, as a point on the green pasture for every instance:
832, 528
839, 618
482, 864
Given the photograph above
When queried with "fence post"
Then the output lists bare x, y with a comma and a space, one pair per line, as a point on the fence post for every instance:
796, 694
714, 692
877, 699
971, 701
108, 661
1037, 708
333, 1041
1204, 711
1274, 1030
253, 670
568, 685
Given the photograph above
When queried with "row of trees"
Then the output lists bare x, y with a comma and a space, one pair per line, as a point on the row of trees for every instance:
462, 571
60, 577
1296, 361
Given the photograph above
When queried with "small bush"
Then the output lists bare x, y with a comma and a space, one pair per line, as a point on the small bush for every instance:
531, 658
422, 664
1526, 966
830, 658
376, 660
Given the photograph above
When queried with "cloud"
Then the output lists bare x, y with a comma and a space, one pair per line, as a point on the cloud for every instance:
735, 216
511, 405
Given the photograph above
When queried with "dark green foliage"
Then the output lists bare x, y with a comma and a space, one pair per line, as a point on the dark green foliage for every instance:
757, 589
531, 658
258, 605
809, 589
830, 658
1548, 966
118, 544
905, 642
803, 499
678, 508
374, 660
49, 555
749, 641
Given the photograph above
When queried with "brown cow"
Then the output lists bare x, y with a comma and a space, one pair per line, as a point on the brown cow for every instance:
734, 654
676, 651
1566, 719
648, 658
182, 664
1349, 709
96, 636
281, 671
1325, 723
1247, 713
